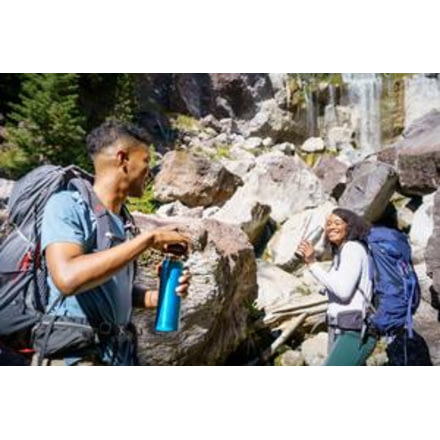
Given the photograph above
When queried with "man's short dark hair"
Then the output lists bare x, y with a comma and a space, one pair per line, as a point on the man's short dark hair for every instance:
110, 131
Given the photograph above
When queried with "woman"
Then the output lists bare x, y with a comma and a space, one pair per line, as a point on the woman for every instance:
347, 285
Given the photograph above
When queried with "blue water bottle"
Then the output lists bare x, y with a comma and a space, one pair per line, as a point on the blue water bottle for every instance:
168, 310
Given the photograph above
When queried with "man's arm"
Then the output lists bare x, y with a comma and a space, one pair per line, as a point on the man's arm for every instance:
143, 298
74, 272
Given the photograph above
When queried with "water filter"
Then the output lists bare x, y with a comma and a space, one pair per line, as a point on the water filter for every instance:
313, 237
168, 310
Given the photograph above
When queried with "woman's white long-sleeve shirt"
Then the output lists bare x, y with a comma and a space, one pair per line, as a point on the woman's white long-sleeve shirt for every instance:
348, 275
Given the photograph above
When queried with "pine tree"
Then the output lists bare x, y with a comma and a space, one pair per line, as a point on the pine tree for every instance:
48, 120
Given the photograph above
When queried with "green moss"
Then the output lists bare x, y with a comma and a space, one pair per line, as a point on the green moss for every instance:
310, 158
184, 122
222, 152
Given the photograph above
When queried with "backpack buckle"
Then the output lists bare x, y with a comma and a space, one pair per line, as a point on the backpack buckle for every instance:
105, 329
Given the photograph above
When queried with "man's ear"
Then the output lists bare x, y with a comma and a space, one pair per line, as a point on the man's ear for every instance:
122, 157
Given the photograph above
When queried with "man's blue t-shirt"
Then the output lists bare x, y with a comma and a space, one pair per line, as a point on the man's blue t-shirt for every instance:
68, 219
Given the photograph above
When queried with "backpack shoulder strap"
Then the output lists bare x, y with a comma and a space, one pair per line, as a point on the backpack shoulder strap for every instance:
103, 230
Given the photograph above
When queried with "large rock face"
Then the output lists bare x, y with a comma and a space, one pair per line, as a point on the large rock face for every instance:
282, 246
251, 221
284, 183
332, 173
272, 121
5, 191
421, 228
214, 315
417, 156
194, 180
432, 255
370, 188
236, 95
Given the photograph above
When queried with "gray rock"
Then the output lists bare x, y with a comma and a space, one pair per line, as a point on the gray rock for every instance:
228, 125
238, 153
252, 143
268, 142
193, 180
180, 210
286, 148
284, 183
418, 156
238, 167
332, 173
271, 121
432, 254
221, 139
282, 246
5, 191
251, 218
421, 229
291, 358
314, 350
214, 315
313, 145
275, 286
211, 122
370, 187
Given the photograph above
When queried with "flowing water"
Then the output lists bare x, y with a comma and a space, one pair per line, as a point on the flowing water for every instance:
364, 93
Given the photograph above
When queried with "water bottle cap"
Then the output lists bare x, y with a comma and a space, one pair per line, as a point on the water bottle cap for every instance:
176, 250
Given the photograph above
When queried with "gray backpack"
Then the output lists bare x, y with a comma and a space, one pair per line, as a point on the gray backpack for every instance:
23, 285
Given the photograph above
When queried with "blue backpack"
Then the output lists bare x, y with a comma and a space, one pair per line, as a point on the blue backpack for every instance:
396, 290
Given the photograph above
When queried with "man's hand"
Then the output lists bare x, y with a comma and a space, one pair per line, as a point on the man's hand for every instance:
167, 236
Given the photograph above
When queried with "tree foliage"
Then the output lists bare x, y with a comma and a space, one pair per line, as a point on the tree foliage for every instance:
49, 124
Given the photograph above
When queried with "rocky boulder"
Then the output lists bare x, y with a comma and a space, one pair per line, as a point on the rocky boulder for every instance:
238, 167
236, 95
432, 254
5, 191
214, 315
178, 209
283, 296
369, 189
421, 228
194, 180
332, 173
285, 183
291, 358
272, 121
313, 145
281, 248
417, 156
251, 220
314, 349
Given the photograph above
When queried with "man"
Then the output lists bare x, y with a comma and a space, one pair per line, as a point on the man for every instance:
98, 284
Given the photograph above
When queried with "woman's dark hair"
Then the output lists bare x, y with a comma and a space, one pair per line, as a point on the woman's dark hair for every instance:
357, 227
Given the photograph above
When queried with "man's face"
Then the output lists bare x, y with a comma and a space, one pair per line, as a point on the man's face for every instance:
138, 169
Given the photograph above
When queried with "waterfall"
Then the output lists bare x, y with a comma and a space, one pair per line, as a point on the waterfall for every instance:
364, 92
311, 113
422, 94
330, 116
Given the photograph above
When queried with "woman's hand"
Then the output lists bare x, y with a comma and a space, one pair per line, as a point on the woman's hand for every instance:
306, 249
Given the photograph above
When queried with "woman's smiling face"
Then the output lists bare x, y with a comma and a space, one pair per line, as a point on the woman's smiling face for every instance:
336, 230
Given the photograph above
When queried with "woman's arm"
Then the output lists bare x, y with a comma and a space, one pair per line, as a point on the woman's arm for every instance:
342, 281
